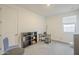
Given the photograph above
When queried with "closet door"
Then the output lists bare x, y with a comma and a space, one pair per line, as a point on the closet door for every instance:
0, 31
9, 24
0, 34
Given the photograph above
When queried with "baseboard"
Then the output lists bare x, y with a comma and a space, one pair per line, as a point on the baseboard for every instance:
61, 42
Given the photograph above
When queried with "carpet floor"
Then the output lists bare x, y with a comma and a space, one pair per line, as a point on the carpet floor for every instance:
53, 48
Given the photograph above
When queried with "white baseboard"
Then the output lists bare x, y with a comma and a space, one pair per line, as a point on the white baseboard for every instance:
62, 42
68, 43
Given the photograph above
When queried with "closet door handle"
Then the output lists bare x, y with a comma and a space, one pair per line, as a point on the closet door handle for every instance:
16, 34
0, 35
0, 22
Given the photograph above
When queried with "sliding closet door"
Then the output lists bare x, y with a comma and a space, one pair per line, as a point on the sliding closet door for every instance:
0, 34
9, 24
0, 31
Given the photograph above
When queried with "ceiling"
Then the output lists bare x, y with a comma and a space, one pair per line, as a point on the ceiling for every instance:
53, 9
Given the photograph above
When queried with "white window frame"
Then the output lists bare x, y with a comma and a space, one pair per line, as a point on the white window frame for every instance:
70, 24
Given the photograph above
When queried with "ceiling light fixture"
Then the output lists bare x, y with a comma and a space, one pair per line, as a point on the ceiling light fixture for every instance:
48, 4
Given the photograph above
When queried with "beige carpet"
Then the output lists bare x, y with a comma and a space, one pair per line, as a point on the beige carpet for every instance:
54, 48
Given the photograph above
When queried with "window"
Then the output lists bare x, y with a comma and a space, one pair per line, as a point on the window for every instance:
69, 23
69, 27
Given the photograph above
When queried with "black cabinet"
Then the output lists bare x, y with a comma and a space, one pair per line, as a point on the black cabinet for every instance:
76, 44
27, 38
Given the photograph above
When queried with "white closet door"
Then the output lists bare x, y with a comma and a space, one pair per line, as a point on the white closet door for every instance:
9, 24
0, 30
0, 35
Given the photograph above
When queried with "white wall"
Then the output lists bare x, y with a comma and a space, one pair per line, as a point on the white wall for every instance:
77, 25
29, 21
55, 27
16, 20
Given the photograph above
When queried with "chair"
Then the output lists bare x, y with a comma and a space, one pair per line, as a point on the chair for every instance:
48, 38
42, 37
6, 44
11, 50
